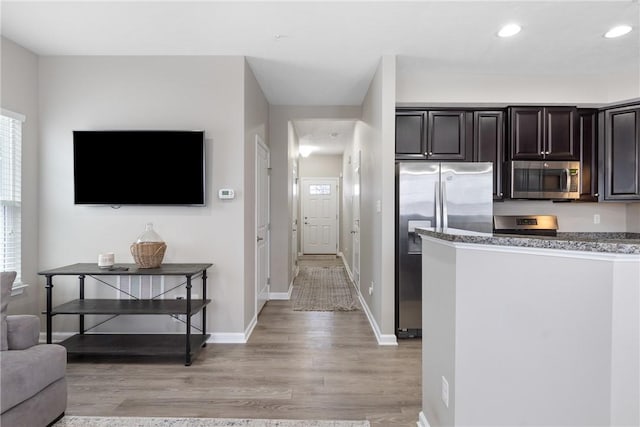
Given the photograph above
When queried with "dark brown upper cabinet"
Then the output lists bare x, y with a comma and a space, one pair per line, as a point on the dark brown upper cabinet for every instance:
411, 142
433, 134
488, 144
588, 136
621, 153
544, 133
447, 133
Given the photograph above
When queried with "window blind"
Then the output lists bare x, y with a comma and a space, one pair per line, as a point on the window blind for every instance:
10, 192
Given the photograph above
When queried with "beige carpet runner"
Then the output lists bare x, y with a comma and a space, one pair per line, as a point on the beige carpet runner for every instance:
324, 289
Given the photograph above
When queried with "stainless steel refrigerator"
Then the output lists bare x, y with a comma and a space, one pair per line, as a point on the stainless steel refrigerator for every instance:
444, 197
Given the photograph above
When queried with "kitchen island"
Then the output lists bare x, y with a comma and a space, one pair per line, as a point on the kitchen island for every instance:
530, 330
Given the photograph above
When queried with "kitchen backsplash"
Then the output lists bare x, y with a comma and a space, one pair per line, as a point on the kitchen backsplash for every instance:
577, 216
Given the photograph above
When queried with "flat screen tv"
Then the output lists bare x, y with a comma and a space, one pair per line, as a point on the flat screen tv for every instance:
139, 167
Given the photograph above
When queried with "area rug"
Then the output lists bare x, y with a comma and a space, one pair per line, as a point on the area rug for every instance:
324, 289
81, 421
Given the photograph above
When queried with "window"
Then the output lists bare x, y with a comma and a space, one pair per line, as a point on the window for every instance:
10, 192
317, 189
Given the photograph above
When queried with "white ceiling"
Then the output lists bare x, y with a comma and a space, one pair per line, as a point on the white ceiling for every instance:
325, 53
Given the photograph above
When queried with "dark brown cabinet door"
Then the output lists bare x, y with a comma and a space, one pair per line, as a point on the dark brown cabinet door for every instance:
410, 135
560, 142
447, 135
587, 135
526, 133
544, 133
488, 144
622, 153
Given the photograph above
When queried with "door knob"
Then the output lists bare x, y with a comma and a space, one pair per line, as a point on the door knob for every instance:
259, 239
353, 231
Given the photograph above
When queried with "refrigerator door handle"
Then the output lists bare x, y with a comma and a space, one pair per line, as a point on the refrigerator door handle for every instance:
445, 215
437, 206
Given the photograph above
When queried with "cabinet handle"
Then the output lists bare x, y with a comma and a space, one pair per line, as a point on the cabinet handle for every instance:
501, 194
547, 152
596, 195
431, 153
542, 152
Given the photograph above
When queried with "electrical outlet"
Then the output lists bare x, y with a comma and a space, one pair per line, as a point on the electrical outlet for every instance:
445, 392
371, 288
596, 218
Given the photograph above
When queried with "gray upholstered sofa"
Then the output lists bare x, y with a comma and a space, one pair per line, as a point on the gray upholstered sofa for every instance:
33, 388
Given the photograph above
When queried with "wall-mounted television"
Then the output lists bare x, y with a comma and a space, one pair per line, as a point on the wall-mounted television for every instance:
139, 167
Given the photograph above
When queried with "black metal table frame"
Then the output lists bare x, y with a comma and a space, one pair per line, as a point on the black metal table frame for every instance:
132, 270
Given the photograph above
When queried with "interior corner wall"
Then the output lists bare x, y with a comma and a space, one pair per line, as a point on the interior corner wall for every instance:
19, 94
130, 92
256, 121
284, 157
375, 136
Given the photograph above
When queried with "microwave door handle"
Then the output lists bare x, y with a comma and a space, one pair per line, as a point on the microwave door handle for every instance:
437, 205
445, 214
568, 177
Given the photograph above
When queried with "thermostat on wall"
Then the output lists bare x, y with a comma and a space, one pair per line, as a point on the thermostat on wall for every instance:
226, 193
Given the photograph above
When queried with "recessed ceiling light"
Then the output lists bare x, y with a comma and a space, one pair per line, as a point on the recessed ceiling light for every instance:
509, 30
618, 31
334, 135
305, 150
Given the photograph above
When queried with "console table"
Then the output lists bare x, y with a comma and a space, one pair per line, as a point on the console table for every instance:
131, 344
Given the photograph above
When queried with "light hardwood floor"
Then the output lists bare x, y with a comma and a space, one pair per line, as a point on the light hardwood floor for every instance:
296, 365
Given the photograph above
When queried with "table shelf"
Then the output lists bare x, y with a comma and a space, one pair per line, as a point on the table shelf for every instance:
168, 345
133, 306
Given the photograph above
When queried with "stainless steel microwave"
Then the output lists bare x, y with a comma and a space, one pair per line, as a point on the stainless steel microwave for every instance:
544, 179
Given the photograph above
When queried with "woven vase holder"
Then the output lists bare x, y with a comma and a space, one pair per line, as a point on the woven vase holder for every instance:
148, 254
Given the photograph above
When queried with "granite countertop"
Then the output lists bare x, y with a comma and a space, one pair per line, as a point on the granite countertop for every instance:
616, 242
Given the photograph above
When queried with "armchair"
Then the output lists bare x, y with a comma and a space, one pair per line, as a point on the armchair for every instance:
33, 387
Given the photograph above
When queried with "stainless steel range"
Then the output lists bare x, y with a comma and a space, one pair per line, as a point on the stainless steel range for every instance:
529, 225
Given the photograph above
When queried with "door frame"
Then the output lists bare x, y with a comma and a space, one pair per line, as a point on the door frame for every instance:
259, 143
357, 180
337, 218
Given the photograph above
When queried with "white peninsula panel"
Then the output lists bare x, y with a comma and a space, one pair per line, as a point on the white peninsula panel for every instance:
529, 336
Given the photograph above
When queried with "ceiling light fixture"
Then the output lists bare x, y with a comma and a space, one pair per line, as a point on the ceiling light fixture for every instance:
509, 30
618, 31
305, 150
334, 135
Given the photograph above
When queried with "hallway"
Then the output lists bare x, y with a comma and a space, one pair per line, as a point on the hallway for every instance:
296, 365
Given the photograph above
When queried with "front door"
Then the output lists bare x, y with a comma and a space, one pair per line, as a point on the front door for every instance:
320, 215
262, 224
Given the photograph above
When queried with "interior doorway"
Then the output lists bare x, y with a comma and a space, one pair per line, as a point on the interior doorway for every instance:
355, 230
319, 215
263, 232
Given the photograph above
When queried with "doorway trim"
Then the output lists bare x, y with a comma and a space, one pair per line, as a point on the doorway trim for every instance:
260, 145
336, 183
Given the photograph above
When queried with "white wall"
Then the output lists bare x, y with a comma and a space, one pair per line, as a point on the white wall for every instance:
284, 157
256, 120
633, 217
374, 136
574, 216
19, 93
317, 165
417, 84
146, 93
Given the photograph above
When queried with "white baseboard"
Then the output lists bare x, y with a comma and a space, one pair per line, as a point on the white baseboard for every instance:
422, 420
383, 339
227, 338
282, 295
346, 267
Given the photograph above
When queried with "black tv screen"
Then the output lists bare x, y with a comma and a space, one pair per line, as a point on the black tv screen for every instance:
139, 167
